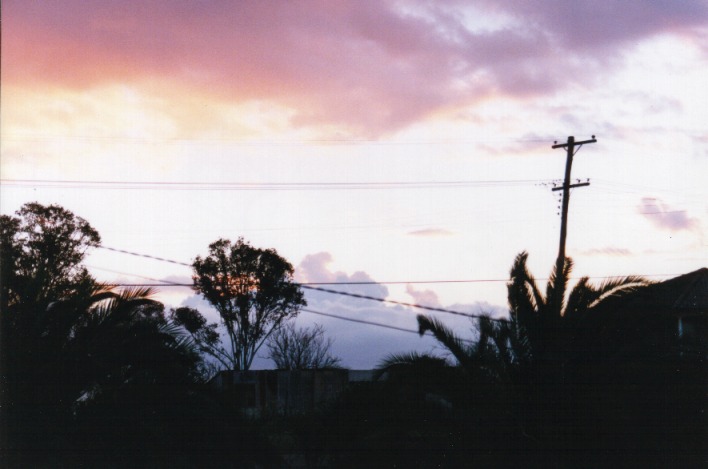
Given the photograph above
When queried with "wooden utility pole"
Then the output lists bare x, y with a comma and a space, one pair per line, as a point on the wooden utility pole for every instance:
572, 147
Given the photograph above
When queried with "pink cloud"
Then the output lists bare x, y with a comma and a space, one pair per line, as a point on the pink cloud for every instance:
427, 232
423, 297
665, 217
367, 66
314, 268
607, 251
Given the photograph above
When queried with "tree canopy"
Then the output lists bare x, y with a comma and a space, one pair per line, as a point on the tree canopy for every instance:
68, 341
253, 291
41, 253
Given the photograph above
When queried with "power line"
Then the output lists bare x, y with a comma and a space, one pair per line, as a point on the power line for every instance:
369, 323
401, 303
359, 321
310, 286
372, 282
396, 282
148, 256
163, 283
334, 292
261, 186
273, 142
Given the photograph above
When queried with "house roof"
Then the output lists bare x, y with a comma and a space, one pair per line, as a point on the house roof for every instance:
685, 294
688, 292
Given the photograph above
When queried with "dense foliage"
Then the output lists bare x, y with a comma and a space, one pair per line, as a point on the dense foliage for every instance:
254, 293
95, 377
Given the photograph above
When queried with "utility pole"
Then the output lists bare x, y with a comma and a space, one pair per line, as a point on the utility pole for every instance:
571, 147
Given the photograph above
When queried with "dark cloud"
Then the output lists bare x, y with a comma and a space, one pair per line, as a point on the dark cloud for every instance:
366, 66
665, 217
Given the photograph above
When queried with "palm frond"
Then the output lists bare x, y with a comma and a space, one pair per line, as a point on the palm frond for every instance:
446, 337
407, 359
135, 293
618, 286
524, 296
579, 299
413, 365
556, 288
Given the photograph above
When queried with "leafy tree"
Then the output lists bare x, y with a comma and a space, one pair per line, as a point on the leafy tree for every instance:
301, 349
68, 341
205, 336
42, 250
253, 291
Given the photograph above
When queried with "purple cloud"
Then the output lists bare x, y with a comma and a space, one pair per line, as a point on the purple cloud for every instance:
423, 297
369, 67
663, 216
607, 251
364, 345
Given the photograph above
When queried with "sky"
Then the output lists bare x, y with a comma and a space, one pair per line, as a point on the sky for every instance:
400, 143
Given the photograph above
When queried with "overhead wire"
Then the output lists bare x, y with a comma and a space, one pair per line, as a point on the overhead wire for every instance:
358, 321
369, 323
260, 186
372, 282
312, 286
275, 142
400, 303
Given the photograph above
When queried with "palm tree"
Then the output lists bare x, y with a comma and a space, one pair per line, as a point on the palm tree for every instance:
98, 343
484, 358
550, 322
530, 351
125, 339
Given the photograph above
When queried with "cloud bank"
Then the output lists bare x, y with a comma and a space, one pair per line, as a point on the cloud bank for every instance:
365, 345
362, 66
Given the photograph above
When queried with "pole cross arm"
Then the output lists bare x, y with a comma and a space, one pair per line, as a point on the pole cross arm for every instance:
580, 184
563, 145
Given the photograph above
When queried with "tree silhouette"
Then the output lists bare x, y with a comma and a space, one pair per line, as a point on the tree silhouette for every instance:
42, 250
550, 331
530, 352
69, 342
253, 291
301, 349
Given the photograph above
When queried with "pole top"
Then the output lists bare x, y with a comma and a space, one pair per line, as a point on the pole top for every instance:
571, 141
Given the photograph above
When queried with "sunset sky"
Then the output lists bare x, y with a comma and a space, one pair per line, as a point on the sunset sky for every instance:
383, 141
